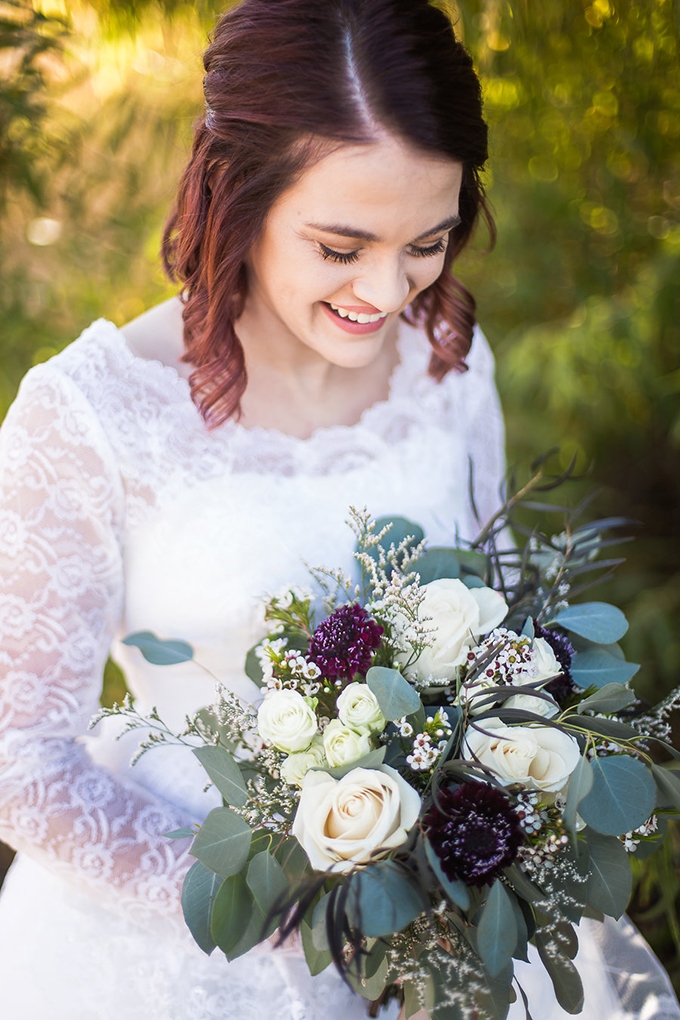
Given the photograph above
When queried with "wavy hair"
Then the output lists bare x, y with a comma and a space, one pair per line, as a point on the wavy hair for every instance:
283, 78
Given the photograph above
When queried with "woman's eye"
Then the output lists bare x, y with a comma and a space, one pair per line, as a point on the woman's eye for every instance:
338, 256
433, 249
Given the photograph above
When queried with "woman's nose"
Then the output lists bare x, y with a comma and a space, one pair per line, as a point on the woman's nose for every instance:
385, 285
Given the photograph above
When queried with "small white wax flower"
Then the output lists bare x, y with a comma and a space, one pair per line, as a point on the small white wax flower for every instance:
358, 707
343, 745
540, 757
297, 765
287, 721
367, 813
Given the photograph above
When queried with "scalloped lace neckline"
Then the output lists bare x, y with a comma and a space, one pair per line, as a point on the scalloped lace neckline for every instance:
413, 359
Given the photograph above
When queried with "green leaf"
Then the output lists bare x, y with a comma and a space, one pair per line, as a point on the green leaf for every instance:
472, 581
292, 859
596, 621
622, 796
180, 833
436, 563
224, 772
580, 785
610, 880
610, 698
157, 651
198, 896
668, 783
369, 987
231, 914
258, 929
597, 667
253, 666
523, 885
563, 974
266, 881
385, 898
317, 959
395, 695
472, 562
456, 890
222, 843
319, 922
610, 728
497, 930
368, 761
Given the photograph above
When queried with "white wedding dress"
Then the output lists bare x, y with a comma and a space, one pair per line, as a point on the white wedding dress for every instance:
121, 512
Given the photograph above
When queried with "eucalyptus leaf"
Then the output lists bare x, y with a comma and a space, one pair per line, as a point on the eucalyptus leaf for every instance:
472, 562
563, 974
523, 885
224, 772
259, 928
369, 987
157, 651
317, 959
292, 859
198, 896
253, 667
472, 581
222, 843
456, 890
231, 914
610, 728
437, 563
180, 833
266, 881
596, 666
385, 898
395, 694
610, 698
320, 923
528, 628
580, 785
596, 621
668, 783
497, 930
610, 879
622, 796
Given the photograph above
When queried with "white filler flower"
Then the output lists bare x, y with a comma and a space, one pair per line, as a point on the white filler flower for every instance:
344, 822
540, 757
287, 721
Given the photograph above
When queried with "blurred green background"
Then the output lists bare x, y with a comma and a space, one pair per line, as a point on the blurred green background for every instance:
580, 298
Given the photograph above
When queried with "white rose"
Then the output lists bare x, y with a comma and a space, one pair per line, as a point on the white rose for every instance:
344, 745
458, 616
530, 703
540, 757
296, 766
367, 813
287, 721
358, 707
544, 660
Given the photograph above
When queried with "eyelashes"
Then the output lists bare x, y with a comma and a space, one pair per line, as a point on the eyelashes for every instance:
349, 257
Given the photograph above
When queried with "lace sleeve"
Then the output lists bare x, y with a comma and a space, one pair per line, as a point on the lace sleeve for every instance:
61, 512
482, 421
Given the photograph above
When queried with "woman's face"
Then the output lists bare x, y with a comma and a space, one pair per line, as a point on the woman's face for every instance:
347, 247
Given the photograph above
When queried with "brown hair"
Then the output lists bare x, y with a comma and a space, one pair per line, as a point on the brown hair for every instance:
282, 71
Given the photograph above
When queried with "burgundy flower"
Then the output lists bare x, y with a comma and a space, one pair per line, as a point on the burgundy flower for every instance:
474, 832
560, 687
343, 644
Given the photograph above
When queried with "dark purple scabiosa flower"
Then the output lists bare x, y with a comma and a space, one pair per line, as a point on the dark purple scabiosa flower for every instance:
343, 644
560, 687
474, 832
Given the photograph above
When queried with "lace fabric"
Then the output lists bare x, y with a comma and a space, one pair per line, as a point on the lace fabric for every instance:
119, 511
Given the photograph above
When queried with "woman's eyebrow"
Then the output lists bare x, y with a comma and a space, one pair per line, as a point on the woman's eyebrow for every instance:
342, 230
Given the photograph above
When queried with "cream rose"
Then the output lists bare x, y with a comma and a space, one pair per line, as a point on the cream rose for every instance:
544, 660
287, 721
367, 813
343, 745
297, 765
530, 703
458, 616
540, 757
358, 707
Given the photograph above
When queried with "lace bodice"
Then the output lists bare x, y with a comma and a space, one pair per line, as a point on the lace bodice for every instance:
119, 511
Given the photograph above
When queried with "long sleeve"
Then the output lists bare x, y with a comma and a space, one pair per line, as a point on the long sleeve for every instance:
61, 514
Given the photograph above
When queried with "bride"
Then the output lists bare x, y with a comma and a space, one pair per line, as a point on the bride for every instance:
164, 476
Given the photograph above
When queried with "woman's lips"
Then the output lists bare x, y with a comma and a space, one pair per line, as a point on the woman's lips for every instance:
348, 325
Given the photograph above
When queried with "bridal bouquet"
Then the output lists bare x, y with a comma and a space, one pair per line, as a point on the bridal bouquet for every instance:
447, 763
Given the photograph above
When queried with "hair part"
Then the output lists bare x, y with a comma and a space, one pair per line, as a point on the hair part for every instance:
284, 80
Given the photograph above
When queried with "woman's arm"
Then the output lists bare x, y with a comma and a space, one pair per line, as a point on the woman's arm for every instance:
61, 519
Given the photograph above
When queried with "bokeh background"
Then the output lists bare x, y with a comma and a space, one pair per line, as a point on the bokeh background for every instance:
580, 298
